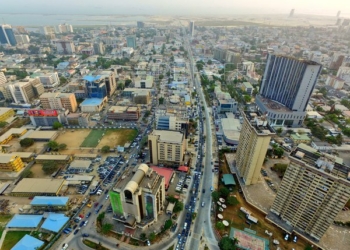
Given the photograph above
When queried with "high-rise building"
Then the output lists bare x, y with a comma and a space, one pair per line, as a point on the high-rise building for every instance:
49, 80
314, 189
59, 101
47, 30
291, 14
253, 143
64, 28
65, 47
2, 78
167, 147
95, 86
131, 41
338, 13
99, 48
26, 91
22, 39
138, 197
286, 88
7, 35
140, 24
191, 28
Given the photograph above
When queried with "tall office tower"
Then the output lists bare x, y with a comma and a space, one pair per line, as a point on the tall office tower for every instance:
338, 13
314, 189
140, 24
25, 92
291, 14
46, 30
65, 47
286, 88
191, 28
253, 143
22, 39
59, 101
99, 48
2, 78
131, 42
6, 35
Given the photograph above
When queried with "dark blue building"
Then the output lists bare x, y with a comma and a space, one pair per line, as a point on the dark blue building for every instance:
95, 86
6, 35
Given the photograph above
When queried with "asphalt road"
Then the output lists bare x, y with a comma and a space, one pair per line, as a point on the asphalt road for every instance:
203, 222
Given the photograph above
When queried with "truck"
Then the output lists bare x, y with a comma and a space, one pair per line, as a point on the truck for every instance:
245, 211
252, 219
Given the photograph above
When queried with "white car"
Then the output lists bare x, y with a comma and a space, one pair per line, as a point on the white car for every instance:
65, 246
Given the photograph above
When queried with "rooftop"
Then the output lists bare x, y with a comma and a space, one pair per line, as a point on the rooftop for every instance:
28, 243
92, 78
12, 131
80, 164
169, 136
228, 179
38, 185
167, 173
54, 222
122, 109
49, 201
25, 221
92, 102
4, 110
273, 105
52, 157
39, 134
6, 158
259, 123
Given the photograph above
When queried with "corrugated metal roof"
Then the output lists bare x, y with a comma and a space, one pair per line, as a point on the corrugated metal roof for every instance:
25, 221
49, 201
28, 243
54, 222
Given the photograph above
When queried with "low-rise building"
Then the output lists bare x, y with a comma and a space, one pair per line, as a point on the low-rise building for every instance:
123, 113
10, 163
6, 113
81, 165
50, 203
61, 159
138, 198
144, 82
41, 135
38, 187
247, 87
92, 105
13, 132
80, 119
227, 106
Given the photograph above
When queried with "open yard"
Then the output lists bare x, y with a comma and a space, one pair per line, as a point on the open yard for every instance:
11, 239
37, 171
93, 138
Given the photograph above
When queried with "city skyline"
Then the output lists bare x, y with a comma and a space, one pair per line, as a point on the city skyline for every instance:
153, 7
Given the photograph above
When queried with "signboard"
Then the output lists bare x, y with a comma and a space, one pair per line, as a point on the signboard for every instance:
116, 202
42, 112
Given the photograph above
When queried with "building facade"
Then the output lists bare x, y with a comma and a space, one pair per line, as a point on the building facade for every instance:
6, 113
314, 189
138, 199
7, 35
286, 88
123, 113
191, 28
229, 105
254, 140
59, 101
131, 42
10, 163
144, 82
25, 92
167, 147
22, 39
65, 47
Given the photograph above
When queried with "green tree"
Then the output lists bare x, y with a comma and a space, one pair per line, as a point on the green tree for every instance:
57, 125
247, 98
167, 224
84, 56
101, 216
152, 236
215, 195
279, 152
171, 199
279, 131
147, 113
27, 174
106, 228
231, 200
224, 192
209, 62
53, 145
26, 142
179, 206
3, 124
161, 77
63, 80
105, 149
127, 82
219, 225
143, 236
49, 167
161, 100
226, 243
62, 146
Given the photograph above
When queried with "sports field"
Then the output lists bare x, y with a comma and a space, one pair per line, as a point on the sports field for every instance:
93, 138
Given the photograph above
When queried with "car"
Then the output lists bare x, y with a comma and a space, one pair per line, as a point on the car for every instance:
211, 188
76, 231
203, 191
286, 237
295, 239
96, 204
65, 246
88, 215
81, 224
203, 204
85, 235
107, 197
148, 243
81, 216
85, 223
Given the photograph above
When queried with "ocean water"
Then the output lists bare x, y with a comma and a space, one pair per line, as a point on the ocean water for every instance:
34, 20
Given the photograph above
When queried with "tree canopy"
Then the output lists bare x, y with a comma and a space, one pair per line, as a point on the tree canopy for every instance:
26, 142
105, 149
226, 243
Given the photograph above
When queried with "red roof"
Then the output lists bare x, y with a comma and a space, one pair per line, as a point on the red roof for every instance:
167, 173
183, 169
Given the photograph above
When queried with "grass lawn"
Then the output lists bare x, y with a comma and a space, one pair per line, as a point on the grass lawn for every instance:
94, 245
4, 218
91, 140
126, 135
11, 239
171, 248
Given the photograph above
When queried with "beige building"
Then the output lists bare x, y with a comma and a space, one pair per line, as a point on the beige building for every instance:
123, 113
253, 143
167, 147
313, 191
26, 91
59, 101
138, 198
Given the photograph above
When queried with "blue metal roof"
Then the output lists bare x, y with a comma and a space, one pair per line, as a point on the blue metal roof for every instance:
28, 243
49, 201
92, 101
54, 222
25, 221
91, 78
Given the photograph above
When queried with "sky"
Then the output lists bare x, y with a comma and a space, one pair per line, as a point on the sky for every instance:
175, 7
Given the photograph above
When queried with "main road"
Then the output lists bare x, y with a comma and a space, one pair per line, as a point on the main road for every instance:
203, 221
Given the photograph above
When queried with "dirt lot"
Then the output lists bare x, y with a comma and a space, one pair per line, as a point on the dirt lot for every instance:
114, 138
37, 171
73, 138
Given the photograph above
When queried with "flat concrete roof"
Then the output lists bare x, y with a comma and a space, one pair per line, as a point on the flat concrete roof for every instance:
38, 185
4, 110
80, 164
12, 131
52, 157
92, 102
39, 134
169, 136
5, 158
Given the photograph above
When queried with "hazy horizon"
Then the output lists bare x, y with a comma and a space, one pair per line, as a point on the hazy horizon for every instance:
171, 8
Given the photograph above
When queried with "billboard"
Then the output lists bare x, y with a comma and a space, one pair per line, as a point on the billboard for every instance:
149, 206
42, 112
116, 202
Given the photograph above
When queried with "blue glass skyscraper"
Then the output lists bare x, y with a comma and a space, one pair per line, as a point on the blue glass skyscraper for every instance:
6, 35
